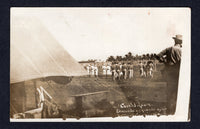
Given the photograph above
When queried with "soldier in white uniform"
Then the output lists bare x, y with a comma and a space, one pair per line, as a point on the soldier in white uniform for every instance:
151, 66
104, 69
92, 70
88, 69
108, 70
130, 71
141, 69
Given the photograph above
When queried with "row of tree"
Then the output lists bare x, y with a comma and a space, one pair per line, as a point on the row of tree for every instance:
131, 57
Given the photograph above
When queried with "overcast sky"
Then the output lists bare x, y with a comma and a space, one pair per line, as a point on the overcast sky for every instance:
96, 33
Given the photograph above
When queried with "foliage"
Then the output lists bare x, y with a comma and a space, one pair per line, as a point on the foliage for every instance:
130, 57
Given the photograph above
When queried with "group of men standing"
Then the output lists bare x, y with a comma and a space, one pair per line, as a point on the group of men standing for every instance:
146, 69
122, 71
92, 70
119, 71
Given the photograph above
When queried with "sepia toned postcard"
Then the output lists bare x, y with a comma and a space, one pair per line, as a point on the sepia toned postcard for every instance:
100, 64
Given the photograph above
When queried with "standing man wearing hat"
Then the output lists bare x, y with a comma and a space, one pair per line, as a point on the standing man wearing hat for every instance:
171, 57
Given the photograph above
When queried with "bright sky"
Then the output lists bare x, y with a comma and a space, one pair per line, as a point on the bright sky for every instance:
96, 33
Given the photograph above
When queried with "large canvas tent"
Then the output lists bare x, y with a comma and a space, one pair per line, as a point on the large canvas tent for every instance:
35, 54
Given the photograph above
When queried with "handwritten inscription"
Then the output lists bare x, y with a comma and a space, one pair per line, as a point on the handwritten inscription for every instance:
133, 105
139, 109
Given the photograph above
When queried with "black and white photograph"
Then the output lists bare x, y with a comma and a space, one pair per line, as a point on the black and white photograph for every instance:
100, 64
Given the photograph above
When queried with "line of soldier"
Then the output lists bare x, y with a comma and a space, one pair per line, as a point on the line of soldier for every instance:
146, 69
122, 71
92, 70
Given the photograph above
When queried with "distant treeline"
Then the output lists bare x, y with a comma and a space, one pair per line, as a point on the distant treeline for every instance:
131, 57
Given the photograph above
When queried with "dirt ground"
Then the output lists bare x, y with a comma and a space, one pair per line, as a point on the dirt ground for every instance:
86, 96
138, 96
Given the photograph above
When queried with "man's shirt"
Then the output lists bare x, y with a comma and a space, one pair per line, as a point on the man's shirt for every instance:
171, 55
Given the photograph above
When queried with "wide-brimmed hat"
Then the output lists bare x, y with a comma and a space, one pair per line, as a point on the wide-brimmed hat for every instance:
178, 37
